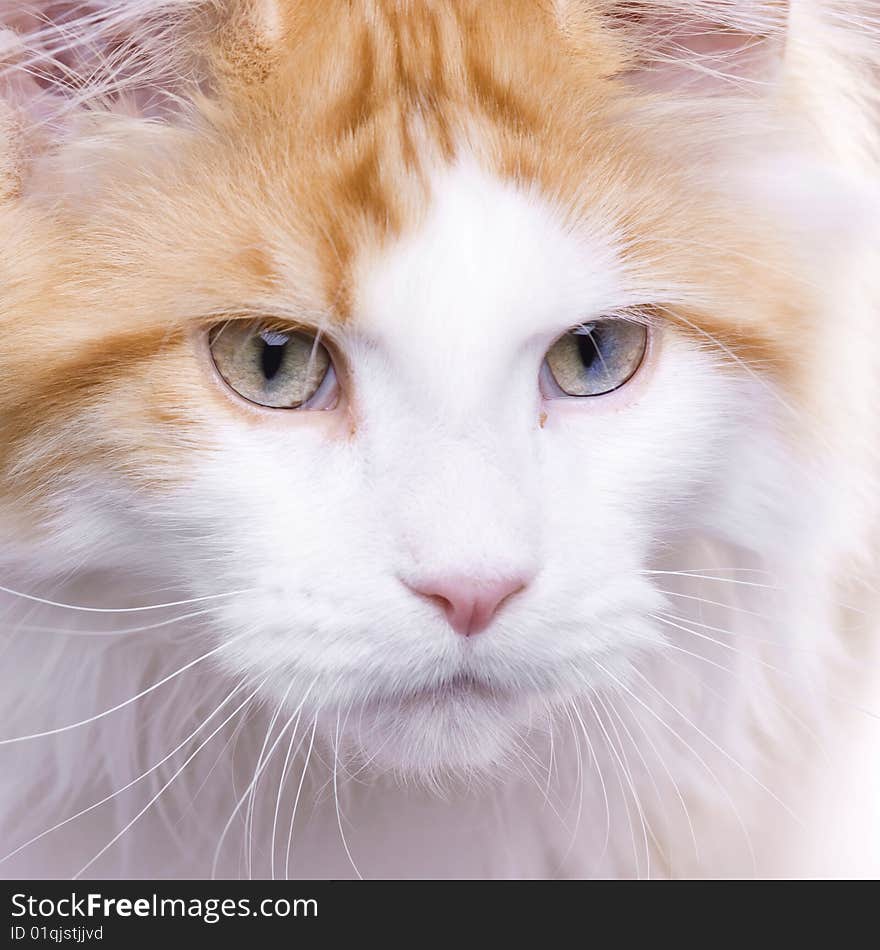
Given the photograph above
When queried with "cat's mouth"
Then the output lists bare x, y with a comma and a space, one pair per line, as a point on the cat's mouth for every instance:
461, 687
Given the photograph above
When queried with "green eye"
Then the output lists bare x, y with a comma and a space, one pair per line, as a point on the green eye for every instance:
598, 357
279, 369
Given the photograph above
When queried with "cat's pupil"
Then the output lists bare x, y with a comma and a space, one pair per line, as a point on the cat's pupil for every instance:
588, 348
271, 357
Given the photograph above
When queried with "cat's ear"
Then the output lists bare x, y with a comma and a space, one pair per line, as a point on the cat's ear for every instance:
65, 62
60, 56
702, 46
137, 56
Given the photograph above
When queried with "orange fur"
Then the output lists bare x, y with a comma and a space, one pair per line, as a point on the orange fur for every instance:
312, 151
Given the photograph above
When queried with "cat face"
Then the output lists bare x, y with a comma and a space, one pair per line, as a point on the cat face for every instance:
415, 365
368, 535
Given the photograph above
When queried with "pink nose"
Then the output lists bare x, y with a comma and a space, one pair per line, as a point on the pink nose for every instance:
470, 603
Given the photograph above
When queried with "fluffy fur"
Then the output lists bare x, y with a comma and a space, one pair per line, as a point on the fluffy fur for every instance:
212, 660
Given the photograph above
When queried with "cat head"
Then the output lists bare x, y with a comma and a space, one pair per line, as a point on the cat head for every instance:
417, 332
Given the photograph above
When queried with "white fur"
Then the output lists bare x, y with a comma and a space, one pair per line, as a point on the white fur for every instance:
617, 744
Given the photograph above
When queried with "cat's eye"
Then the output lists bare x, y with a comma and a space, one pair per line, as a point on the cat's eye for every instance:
276, 368
595, 358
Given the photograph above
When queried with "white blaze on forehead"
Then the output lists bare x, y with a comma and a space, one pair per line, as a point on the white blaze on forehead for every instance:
491, 270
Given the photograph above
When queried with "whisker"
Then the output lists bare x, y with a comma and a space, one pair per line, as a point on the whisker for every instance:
336, 798
221, 757
579, 787
607, 841
122, 610
288, 757
714, 603
551, 757
709, 577
161, 791
834, 697
128, 631
613, 714
524, 756
786, 674
658, 718
108, 712
133, 782
737, 634
254, 780
699, 572
299, 789
621, 774
249, 811
765, 690
720, 749
670, 776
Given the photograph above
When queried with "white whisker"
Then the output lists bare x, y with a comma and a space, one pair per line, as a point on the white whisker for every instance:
720, 749
709, 771
254, 780
161, 791
122, 610
336, 800
109, 712
127, 631
296, 800
133, 782
621, 776
288, 757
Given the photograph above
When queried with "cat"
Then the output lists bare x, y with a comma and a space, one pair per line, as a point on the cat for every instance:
438, 438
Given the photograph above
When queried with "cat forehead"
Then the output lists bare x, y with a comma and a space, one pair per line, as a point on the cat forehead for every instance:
491, 263
366, 99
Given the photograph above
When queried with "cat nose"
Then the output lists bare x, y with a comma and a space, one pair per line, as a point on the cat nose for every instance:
470, 603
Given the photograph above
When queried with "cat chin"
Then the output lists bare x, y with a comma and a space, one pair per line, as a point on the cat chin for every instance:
441, 739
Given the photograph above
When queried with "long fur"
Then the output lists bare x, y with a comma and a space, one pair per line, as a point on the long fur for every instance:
671, 693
